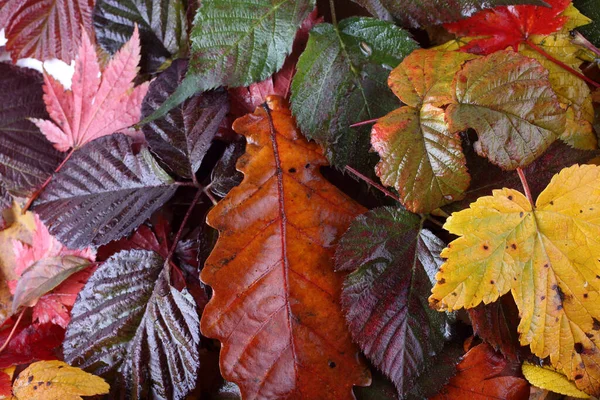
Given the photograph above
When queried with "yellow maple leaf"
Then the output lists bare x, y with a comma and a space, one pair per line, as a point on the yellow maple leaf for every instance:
56, 380
549, 379
547, 256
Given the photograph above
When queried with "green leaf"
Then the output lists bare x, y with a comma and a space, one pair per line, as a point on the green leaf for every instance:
130, 322
416, 13
385, 299
508, 100
236, 43
103, 192
43, 276
590, 8
341, 79
162, 25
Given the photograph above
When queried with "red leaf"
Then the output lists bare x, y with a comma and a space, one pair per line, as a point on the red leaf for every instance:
484, 374
5, 384
32, 343
95, 106
45, 29
153, 238
509, 26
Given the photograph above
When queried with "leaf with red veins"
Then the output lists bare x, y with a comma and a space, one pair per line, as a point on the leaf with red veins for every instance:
99, 103
509, 26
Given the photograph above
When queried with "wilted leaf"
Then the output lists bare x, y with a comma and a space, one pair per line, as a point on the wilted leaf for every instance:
508, 100
45, 29
385, 299
275, 307
26, 157
549, 379
56, 380
130, 322
103, 193
547, 256
591, 8
502, 27
162, 24
99, 102
181, 138
416, 13
341, 80
483, 375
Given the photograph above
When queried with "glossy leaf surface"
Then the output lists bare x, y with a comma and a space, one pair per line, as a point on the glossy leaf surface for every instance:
275, 307
393, 261
131, 325
103, 193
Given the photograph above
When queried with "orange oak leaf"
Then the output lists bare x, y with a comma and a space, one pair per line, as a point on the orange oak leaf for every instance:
484, 374
276, 298
506, 26
99, 103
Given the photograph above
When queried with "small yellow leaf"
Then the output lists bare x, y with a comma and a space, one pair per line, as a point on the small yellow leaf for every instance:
576, 18
56, 380
549, 379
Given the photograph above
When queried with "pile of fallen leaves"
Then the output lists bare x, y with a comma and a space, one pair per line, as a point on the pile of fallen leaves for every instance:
289, 200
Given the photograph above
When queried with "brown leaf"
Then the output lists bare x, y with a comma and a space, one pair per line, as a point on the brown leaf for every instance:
276, 304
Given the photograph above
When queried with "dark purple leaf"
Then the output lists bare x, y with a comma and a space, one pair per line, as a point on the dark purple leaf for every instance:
182, 137
103, 193
225, 176
27, 159
131, 326
385, 298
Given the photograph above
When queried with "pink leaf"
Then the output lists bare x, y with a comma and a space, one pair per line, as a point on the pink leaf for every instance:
99, 103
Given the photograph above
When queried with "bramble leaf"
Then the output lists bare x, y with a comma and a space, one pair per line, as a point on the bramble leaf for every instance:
547, 256
45, 29
99, 103
26, 157
394, 261
103, 193
547, 378
508, 100
275, 307
182, 137
341, 80
483, 375
163, 28
56, 380
131, 326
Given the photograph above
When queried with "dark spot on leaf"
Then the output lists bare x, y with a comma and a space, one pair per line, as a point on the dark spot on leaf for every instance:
331, 364
521, 214
510, 197
551, 203
543, 297
48, 383
30, 379
442, 281
596, 325
34, 387
62, 366
454, 294
514, 246
559, 307
585, 295
578, 376
307, 166
485, 247
546, 265
492, 282
580, 211
579, 348
589, 335
292, 170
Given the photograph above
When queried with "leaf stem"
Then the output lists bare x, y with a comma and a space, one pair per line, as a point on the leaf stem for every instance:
367, 122
12, 332
183, 223
36, 194
582, 41
333, 16
561, 64
523, 179
372, 183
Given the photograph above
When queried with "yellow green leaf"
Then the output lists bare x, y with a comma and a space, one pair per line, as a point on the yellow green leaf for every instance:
56, 380
549, 379
547, 256
576, 18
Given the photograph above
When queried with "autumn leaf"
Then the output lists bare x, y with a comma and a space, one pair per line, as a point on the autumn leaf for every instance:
131, 326
503, 27
31, 342
56, 380
546, 256
163, 28
107, 172
393, 262
508, 100
482, 375
99, 103
182, 138
5, 385
547, 378
45, 29
275, 307
26, 157
420, 157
